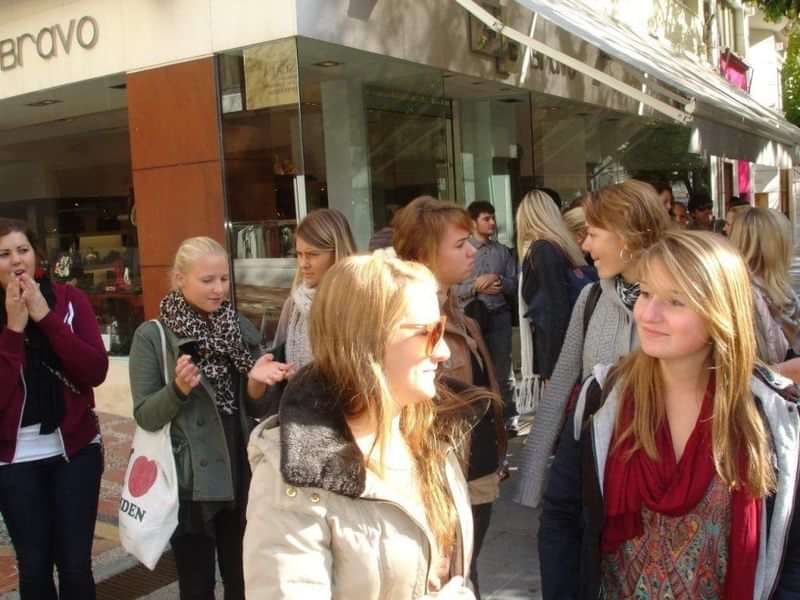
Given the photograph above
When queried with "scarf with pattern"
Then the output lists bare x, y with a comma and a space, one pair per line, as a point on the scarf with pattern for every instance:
219, 341
627, 292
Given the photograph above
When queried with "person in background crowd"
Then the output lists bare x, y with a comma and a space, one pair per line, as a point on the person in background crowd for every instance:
701, 211
682, 481
736, 207
51, 356
357, 488
551, 263
679, 214
321, 239
764, 238
218, 386
492, 283
624, 219
552, 194
664, 190
436, 234
575, 220
383, 237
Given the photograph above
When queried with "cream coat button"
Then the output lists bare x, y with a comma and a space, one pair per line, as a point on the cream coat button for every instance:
315, 498
291, 492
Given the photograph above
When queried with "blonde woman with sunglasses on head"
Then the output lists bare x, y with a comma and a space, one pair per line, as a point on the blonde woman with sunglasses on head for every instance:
357, 490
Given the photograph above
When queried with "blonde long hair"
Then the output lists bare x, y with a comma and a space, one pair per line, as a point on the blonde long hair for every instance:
764, 237
355, 312
326, 229
709, 271
538, 218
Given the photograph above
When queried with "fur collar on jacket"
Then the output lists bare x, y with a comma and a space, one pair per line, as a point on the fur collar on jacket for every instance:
317, 447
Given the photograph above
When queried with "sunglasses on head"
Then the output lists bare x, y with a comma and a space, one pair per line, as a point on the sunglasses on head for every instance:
434, 331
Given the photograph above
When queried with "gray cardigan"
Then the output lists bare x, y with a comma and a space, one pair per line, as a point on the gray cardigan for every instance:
198, 439
609, 336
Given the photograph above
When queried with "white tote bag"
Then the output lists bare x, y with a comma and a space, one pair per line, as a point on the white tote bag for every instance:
148, 511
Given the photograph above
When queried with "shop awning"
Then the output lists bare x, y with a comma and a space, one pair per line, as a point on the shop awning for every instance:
693, 84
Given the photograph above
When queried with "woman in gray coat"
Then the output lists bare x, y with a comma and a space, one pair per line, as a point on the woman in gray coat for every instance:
623, 219
216, 386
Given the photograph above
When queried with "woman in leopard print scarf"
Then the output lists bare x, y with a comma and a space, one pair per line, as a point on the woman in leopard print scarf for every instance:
219, 343
209, 411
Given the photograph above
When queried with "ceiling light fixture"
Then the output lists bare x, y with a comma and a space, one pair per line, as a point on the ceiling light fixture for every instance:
41, 103
327, 64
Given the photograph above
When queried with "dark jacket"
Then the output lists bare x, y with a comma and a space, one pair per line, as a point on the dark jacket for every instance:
488, 445
573, 512
71, 328
198, 439
546, 294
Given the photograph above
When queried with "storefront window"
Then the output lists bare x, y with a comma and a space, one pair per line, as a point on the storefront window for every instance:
263, 174
65, 169
377, 132
580, 147
495, 162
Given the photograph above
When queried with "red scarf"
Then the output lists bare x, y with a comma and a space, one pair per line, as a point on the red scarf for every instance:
674, 488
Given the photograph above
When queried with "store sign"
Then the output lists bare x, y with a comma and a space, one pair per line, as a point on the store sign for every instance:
540, 62
49, 42
270, 74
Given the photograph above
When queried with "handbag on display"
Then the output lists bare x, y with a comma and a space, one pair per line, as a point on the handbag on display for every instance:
148, 511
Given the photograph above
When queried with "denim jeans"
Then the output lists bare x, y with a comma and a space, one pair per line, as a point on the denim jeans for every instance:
50, 508
498, 341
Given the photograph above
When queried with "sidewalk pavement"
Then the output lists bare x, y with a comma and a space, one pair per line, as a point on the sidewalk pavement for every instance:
508, 565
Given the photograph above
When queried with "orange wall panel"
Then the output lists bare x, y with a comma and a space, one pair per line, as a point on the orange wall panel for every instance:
177, 165
155, 285
174, 203
173, 115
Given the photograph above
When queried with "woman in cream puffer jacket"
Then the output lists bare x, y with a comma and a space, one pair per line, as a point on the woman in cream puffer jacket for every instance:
321, 526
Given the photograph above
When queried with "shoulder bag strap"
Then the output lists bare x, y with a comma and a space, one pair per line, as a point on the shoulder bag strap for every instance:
163, 337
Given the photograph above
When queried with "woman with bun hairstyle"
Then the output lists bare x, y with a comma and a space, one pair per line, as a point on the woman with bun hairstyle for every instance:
215, 388
51, 457
623, 221
676, 476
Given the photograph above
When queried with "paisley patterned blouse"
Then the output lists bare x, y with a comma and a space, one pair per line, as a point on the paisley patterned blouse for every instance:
677, 558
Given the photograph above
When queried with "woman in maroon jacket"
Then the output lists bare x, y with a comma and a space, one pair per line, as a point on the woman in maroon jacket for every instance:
51, 356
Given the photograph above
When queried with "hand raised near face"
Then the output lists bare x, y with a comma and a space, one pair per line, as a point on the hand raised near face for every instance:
16, 309
34, 300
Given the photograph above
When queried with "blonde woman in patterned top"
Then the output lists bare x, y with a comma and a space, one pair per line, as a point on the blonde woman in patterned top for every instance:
676, 475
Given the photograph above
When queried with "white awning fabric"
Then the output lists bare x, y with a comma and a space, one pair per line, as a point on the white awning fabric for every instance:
703, 87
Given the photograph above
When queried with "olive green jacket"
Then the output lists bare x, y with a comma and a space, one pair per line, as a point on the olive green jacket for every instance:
198, 440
